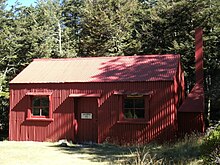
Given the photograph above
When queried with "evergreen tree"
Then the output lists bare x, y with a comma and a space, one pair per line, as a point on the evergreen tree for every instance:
169, 27
210, 20
71, 24
6, 66
70, 28
107, 28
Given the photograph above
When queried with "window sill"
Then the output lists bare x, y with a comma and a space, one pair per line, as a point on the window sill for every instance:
133, 122
39, 119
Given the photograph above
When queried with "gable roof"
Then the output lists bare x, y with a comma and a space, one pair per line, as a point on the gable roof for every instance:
100, 69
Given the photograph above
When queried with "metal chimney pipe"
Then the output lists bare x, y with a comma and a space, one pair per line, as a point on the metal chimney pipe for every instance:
199, 55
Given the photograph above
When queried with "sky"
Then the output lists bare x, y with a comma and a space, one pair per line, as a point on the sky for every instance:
23, 2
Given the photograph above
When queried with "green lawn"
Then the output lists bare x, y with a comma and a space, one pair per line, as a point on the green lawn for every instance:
22, 153
191, 150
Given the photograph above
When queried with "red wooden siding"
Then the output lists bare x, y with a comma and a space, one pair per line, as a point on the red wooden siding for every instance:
162, 123
190, 122
199, 55
191, 112
93, 86
38, 130
87, 128
162, 119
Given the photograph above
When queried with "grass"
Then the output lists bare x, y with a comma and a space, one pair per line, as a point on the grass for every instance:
54, 153
191, 150
25, 153
185, 151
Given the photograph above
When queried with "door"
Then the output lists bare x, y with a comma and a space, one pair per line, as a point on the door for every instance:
86, 116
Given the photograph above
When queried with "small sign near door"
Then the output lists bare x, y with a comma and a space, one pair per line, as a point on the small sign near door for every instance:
86, 115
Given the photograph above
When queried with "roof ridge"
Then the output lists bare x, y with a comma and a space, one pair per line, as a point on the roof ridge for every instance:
101, 57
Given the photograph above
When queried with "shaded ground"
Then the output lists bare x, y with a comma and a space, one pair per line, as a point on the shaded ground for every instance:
23, 153
186, 151
97, 153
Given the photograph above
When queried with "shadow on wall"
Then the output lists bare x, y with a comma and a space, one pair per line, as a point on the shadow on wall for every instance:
162, 125
44, 130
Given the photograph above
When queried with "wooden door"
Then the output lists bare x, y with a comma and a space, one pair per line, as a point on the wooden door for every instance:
86, 116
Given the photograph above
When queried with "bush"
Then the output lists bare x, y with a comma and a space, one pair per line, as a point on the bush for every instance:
4, 109
211, 147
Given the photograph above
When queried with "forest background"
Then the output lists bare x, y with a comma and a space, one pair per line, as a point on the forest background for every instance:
82, 28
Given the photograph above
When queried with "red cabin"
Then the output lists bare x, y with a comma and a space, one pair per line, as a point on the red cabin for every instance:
124, 100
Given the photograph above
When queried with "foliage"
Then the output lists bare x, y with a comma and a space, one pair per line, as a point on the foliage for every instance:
6, 65
107, 28
211, 147
70, 28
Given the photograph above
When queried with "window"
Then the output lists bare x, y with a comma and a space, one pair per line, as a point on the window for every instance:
40, 106
134, 108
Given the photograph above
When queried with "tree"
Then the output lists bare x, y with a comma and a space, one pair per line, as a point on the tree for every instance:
6, 66
71, 18
211, 21
70, 28
107, 28
28, 33
46, 33
169, 28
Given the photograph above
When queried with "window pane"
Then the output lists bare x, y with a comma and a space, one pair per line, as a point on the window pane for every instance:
139, 113
128, 113
134, 108
36, 112
128, 103
36, 102
139, 103
45, 111
40, 106
45, 101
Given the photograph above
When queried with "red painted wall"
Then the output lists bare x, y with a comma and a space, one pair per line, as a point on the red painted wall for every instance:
191, 112
190, 122
21, 129
161, 117
161, 121
161, 124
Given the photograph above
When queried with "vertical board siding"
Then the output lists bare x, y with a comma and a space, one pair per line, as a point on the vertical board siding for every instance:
161, 117
23, 130
87, 128
162, 112
189, 122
